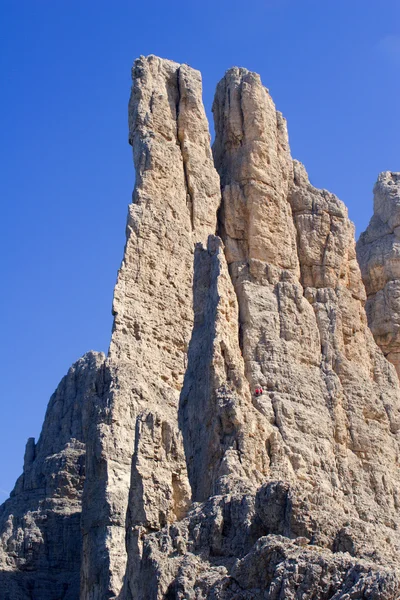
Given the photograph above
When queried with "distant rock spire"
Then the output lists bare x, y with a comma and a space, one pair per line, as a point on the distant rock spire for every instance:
378, 251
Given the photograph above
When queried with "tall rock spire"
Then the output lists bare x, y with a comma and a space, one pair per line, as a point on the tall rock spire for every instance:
138, 475
252, 155
378, 251
304, 334
235, 277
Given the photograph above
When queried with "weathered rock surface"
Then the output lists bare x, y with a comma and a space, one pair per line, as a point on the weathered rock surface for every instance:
378, 251
195, 487
138, 476
40, 530
331, 397
244, 547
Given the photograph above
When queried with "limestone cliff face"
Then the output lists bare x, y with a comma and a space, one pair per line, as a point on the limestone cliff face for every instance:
304, 334
237, 274
378, 251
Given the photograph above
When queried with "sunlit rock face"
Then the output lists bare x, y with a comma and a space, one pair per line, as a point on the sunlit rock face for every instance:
378, 251
237, 275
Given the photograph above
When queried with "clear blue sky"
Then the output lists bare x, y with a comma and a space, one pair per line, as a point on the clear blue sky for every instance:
332, 67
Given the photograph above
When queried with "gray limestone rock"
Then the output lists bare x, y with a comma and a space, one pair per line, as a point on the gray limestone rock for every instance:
241, 547
40, 529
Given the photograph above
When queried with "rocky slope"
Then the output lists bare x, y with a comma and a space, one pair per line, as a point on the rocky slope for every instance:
237, 274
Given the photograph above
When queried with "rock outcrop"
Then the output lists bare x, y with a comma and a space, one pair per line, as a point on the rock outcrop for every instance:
237, 274
40, 529
378, 251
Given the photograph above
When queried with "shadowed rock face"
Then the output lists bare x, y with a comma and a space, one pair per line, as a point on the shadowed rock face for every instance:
378, 251
194, 486
40, 529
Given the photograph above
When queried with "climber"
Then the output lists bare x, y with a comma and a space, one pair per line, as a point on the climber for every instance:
258, 391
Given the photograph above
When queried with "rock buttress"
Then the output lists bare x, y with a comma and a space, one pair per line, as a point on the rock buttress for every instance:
224, 436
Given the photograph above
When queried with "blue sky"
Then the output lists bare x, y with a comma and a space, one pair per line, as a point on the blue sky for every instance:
332, 67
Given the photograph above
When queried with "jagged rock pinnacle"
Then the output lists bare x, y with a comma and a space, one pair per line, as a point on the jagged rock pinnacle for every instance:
237, 275
378, 251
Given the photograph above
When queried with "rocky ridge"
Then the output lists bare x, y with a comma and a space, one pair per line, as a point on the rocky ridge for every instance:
237, 273
40, 533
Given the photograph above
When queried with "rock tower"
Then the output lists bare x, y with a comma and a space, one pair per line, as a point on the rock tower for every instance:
378, 251
159, 473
